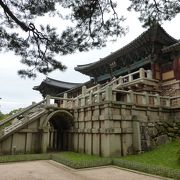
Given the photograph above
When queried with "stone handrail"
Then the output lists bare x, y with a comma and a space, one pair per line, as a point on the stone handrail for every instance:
109, 94
156, 99
115, 82
21, 122
12, 127
66, 102
21, 113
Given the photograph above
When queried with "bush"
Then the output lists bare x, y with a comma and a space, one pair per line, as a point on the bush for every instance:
24, 157
77, 161
157, 170
178, 156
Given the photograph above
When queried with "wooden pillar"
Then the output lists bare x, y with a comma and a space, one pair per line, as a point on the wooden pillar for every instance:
176, 67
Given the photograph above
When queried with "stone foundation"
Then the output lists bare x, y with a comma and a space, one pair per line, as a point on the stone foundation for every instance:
115, 129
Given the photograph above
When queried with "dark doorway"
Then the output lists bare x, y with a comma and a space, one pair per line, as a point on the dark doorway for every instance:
60, 137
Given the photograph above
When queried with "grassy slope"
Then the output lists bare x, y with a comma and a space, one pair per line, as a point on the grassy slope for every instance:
164, 156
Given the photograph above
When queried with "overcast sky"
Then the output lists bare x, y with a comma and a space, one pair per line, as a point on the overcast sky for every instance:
17, 92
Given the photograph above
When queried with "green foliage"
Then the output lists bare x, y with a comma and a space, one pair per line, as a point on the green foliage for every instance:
163, 156
93, 22
14, 111
178, 155
155, 11
148, 168
24, 157
77, 160
2, 116
161, 161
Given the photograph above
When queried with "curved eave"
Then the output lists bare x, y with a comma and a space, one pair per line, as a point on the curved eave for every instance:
151, 35
174, 47
55, 83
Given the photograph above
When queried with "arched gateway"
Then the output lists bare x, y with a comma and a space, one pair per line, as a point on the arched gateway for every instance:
58, 125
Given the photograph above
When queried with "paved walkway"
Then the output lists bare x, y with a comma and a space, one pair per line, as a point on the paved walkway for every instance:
49, 170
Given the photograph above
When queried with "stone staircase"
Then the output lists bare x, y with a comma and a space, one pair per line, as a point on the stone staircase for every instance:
20, 119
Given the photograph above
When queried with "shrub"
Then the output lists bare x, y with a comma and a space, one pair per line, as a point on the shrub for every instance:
178, 156
24, 157
157, 170
77, 161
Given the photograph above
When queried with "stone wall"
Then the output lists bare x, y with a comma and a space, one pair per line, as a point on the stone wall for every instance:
106, 129
116, 129
25, 140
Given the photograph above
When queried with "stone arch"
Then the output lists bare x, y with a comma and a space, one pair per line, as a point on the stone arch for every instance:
59, 123
55, 113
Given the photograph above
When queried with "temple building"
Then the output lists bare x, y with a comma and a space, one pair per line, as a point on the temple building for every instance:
54, 87
154, 50
130, 105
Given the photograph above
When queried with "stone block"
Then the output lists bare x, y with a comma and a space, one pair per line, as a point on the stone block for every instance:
163, 139
116, 117
88, 143
81, 148
19, 140
96, 144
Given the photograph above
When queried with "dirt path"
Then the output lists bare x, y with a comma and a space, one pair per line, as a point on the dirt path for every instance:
49, 170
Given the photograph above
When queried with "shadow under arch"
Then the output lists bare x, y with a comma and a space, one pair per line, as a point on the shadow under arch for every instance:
60, 138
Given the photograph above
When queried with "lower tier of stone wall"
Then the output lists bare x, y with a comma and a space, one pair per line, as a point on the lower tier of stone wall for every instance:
115, 129
105, 129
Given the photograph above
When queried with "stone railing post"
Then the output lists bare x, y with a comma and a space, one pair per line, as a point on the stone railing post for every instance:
98, 97
141, 73
90, 98
130, 77
120, 80
98, 87
65, 104
83, 90
108, 92
149, 74
83, 100
77, 102
48, 100
130, 97
33, 103
114, 96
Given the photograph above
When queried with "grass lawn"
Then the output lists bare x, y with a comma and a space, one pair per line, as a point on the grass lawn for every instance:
163, 156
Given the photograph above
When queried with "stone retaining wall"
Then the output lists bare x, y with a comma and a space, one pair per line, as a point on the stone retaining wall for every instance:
115, 129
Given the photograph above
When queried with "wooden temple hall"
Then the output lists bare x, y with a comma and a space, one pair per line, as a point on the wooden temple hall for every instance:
150, 63
130, 104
